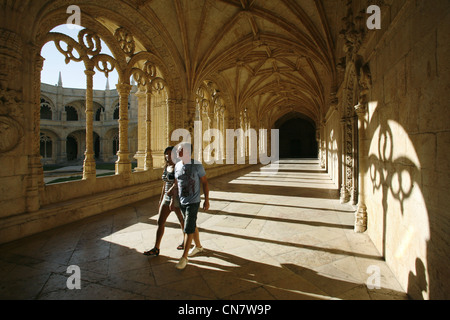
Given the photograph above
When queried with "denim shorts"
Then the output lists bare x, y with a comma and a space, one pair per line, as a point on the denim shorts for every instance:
190, 216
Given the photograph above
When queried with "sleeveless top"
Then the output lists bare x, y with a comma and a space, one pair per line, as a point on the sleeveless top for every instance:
168, 178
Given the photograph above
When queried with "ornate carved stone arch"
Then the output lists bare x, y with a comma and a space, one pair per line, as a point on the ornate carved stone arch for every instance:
225, 96
45, 101
349, 127
130, 58
122, 36
356, 86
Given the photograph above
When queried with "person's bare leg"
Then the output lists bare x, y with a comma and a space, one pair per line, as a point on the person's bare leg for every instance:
164, 212
196, 238
187, 243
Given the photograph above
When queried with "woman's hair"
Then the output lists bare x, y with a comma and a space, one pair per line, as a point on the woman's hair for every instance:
168, 149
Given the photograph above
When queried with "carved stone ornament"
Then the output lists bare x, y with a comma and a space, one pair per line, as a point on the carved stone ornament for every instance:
10, 133
125, 40
9, 101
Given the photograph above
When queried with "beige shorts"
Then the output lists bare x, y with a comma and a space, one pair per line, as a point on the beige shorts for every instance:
166, 201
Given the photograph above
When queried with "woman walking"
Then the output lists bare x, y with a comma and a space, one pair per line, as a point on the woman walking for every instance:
164, 210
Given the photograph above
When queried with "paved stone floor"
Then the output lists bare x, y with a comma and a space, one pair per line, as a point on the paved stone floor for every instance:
268, 235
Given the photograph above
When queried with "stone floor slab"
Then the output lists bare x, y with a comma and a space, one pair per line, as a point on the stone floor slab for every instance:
268, 235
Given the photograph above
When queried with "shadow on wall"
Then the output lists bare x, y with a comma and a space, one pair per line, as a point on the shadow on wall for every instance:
404, 224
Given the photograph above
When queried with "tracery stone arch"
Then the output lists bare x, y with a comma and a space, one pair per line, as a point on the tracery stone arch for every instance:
110, 145
98, 116
221, 125
204, 107
356, 86
212, 111
71, 113
115, 113
46, 109
46, 146
159, 129
115, 143
72, 147
127, 63
46, 112
152, 101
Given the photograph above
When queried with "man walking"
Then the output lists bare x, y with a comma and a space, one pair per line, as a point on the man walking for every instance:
189, 174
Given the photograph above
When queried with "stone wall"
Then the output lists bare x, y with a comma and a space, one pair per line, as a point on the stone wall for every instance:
400, 148
406, 144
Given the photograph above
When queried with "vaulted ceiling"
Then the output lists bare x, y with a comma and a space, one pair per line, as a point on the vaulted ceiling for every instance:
274, 57
271, 57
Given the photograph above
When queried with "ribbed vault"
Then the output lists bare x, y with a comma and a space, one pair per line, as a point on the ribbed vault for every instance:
269, 57
273, 55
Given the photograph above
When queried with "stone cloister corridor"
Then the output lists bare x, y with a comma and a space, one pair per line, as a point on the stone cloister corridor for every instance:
268, 235
348, 97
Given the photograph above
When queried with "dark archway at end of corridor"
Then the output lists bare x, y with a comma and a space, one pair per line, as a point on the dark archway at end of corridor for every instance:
297, 136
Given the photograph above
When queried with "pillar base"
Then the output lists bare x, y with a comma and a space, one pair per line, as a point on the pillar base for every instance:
361, 219
123, 164
148, 163
140, 157
89, 170
345, 196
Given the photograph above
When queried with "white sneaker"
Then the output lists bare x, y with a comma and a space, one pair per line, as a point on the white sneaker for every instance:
194, 251
182, 263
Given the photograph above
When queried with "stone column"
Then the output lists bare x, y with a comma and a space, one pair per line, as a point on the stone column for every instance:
89, 171
221, 128
354, 161
123, 164
191, 107
323, 140
206, 138
148, 163
213, 125
34, 180
62, 154
142, 129
345, 196
63, 115
103, 148
361, 212
197, 138
319, 138
205, 125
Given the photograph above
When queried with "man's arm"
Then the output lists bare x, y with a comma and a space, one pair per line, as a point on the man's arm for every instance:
173, 189
204, 182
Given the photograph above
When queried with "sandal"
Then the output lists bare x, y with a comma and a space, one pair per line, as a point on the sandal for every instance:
180, 246
152, 252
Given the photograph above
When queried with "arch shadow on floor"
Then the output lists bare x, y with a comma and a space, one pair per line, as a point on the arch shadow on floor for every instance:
264, 239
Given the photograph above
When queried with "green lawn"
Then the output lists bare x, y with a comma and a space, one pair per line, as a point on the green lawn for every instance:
100, 166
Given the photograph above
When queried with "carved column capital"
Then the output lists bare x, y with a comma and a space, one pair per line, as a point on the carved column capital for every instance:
123, 88
361, 110
89, 72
